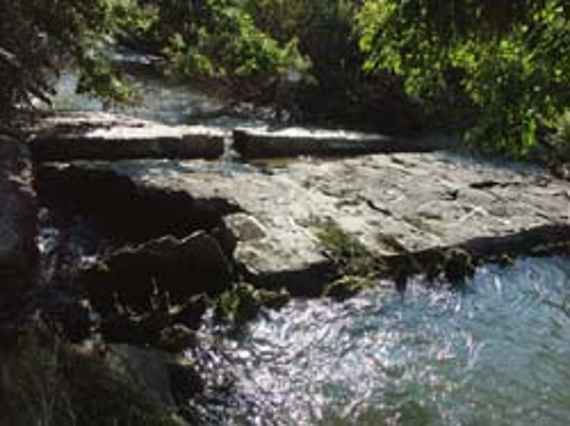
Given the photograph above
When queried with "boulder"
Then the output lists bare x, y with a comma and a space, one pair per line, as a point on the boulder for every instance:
180, 267
18, 216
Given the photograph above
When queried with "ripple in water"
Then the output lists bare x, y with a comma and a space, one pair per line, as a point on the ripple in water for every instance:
498, 354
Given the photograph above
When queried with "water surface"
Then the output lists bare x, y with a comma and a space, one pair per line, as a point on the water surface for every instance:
498, 354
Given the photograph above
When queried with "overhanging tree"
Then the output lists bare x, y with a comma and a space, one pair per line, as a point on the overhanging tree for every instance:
511, 59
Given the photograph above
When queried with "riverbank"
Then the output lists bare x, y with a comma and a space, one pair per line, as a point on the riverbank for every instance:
405, 203
138, 238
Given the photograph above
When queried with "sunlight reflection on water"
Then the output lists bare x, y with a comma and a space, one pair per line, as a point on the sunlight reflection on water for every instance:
496, 354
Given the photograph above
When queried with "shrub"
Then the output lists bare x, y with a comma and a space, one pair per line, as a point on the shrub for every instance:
38, 37
510, 59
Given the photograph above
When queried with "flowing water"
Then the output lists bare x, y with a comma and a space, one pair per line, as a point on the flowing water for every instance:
497, 354
165, 100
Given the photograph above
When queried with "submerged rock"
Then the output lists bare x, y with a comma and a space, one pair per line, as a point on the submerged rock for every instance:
18, 219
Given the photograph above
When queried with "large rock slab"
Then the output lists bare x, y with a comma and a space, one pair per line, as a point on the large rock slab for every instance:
18, 213
111, 137
292, 142
394, 204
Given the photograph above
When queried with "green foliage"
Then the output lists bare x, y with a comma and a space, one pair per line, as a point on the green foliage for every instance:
219, 40
349, 254
511, 59
134, 18
326, 37
242, 303
348, 286
561, 136
39, 37
288, 54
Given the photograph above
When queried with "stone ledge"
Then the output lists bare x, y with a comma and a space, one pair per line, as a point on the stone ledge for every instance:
292, 142
99, 136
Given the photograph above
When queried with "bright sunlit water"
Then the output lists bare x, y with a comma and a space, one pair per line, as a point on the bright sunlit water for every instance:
498, 354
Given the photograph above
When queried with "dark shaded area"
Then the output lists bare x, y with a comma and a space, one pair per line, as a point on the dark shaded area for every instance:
308, 282
68, 146
179, 268
18, 211
123, 211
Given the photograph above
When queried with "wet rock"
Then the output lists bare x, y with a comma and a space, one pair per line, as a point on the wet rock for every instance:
163, 325
393, 205
108, 137
243, 303
347, 286
273, 299
179, 267
18, 213
292, 142
459, 265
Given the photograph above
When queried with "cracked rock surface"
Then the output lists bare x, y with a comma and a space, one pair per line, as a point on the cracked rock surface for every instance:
394, 204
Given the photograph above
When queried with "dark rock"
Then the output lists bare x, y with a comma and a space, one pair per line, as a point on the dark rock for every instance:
179, 267
69, 316
114, 202
192, 312
167, 327
123, 329
18, 219
186, 383
176, 339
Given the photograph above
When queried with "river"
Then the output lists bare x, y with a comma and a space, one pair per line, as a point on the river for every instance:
495, 354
